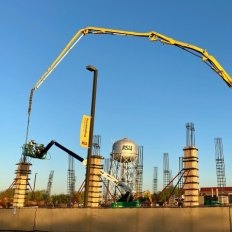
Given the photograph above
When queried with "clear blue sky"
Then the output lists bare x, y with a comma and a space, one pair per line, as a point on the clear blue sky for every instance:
147, 91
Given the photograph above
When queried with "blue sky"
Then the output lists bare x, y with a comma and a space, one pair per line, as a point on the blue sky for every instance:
147, 91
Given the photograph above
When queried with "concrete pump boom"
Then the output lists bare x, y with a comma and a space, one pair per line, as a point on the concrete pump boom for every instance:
152, 36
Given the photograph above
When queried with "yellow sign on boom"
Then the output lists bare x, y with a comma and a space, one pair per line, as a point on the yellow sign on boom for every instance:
85, 131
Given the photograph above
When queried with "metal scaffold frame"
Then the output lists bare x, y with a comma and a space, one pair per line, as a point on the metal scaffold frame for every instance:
220, 164
155, 180
166, 171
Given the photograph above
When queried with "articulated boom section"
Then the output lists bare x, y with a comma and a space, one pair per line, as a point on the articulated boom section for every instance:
152, 35
39, 151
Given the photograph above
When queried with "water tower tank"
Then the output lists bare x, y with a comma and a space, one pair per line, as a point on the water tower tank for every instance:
125, 150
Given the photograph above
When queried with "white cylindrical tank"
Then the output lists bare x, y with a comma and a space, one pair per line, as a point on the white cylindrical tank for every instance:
125, 150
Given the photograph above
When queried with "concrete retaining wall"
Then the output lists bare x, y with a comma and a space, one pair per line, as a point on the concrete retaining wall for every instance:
212, 219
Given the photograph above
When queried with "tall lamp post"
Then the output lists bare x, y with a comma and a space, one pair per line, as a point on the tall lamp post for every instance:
94, 91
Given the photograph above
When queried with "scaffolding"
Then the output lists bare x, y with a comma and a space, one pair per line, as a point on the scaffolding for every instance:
139, 171
155, 180
96, 145
21, 184
190, 163
95, 187
49, 185
180, 180
166, 170
49, 188
190, 135
105, 181
220, 164
71, 177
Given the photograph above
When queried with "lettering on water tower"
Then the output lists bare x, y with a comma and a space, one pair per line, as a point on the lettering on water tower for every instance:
127, 147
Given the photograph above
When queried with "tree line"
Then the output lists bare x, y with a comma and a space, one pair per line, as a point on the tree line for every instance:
41, 199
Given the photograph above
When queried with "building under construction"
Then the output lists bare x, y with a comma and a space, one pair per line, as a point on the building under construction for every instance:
190, 167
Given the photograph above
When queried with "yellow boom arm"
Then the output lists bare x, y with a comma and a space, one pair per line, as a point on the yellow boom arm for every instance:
153, 36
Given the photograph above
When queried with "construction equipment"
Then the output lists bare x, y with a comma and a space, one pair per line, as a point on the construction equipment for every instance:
183, 172
38, 151
145, 198
152, 36
33, 150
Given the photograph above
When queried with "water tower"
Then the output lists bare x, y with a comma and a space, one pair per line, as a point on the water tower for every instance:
125, 165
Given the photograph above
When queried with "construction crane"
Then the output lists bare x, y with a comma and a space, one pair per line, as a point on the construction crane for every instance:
152, 36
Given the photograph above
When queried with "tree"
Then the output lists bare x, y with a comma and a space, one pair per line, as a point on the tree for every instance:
164, 195
6, 198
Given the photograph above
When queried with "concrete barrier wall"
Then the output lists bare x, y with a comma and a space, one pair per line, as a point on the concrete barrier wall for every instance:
212, 219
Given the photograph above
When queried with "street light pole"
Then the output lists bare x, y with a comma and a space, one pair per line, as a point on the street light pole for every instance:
93, 103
